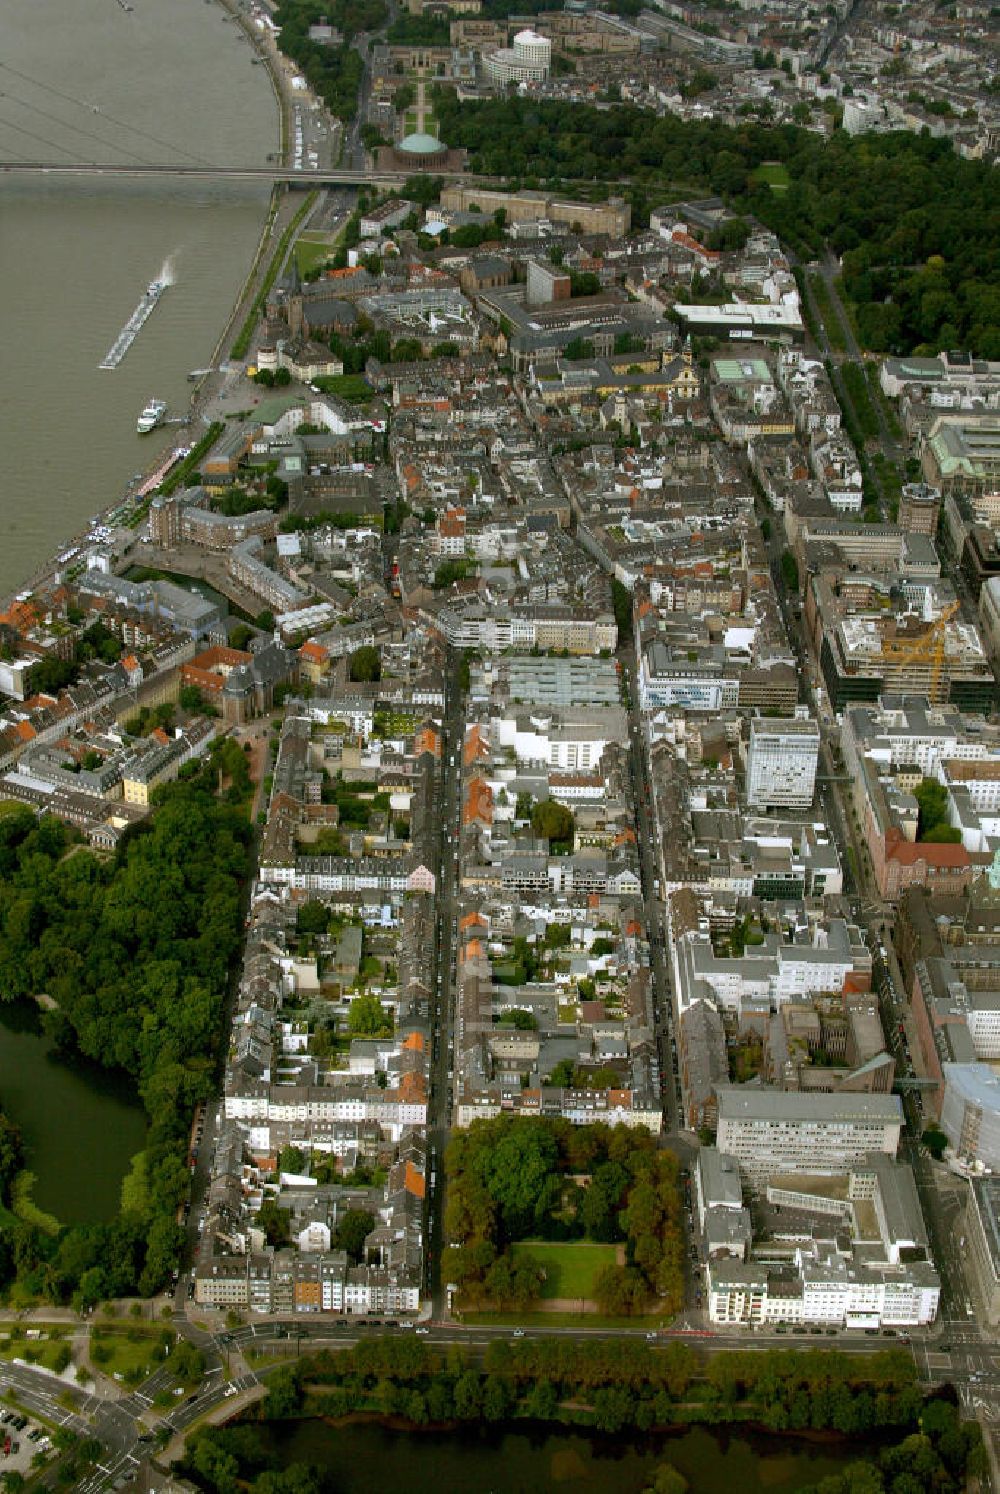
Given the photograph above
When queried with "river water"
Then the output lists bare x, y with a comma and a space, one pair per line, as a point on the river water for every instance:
367, 1458
85, 80
168, 81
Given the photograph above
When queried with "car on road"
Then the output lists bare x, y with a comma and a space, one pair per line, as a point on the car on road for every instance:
518, 1333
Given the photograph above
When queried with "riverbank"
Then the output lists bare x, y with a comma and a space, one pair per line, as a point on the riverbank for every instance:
266, 50
280, 211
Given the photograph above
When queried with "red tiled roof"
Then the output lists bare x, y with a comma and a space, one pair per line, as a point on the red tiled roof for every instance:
909, 852
314, 652
414, 1181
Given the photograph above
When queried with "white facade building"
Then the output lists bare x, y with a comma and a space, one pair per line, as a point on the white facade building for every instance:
781, 763
772, 1131
823, 1290
970, 1112
571, 740
527, 61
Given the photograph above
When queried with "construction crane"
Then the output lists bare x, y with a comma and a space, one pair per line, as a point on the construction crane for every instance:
928, 649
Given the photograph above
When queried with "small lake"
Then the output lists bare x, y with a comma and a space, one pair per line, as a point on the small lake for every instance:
368, 1458
81, 1124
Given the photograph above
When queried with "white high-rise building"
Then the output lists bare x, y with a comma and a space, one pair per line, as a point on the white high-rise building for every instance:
781, 763
527, 61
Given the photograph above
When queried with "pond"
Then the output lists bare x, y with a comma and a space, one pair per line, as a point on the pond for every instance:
81, 1124
367, 1457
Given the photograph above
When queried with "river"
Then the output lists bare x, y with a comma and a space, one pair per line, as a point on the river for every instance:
81, 1125
167, 81
367, 1458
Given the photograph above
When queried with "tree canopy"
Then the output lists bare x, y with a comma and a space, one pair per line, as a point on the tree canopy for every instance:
932, 822
353, 1228
136, 952
553, 822
915, 223
513, 1178
366, 664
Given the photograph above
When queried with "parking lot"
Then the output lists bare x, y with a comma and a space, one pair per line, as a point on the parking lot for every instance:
22, 1439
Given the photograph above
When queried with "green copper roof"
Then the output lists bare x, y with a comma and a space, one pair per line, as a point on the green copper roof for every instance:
421, 145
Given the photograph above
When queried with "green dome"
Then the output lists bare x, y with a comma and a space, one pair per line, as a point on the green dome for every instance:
421, 145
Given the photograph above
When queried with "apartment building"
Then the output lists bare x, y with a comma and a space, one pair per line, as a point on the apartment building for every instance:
824, 1290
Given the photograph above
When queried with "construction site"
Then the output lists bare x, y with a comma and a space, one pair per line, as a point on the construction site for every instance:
932, 652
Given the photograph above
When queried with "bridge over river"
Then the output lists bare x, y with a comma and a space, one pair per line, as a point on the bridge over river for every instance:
334, 176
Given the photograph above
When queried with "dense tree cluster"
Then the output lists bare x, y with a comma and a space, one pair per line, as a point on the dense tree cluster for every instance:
227, 1459
553, 822
450, 571
334, 73
135, 951
11, 1155
418, 31
512, 1179
615, 1385
234, 502
916, 224
944, 1453
95, 644
933, 823
366, 663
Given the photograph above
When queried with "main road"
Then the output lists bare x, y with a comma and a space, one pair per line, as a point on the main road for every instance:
649, 867
325, 176
963, 1358
443, 994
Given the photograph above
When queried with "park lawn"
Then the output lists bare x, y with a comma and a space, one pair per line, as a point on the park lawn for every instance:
41, 1351
354, 388
10, 806
261, 1359
130, 1350
775, 175
308, 255
569, 1269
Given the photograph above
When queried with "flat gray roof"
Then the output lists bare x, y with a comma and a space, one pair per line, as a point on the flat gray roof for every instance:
744, 1103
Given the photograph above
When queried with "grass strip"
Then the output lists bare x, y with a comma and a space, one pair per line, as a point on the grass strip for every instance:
245, 333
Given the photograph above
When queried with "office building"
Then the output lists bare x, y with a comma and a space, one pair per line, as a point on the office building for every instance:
772, 1131
781, 763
